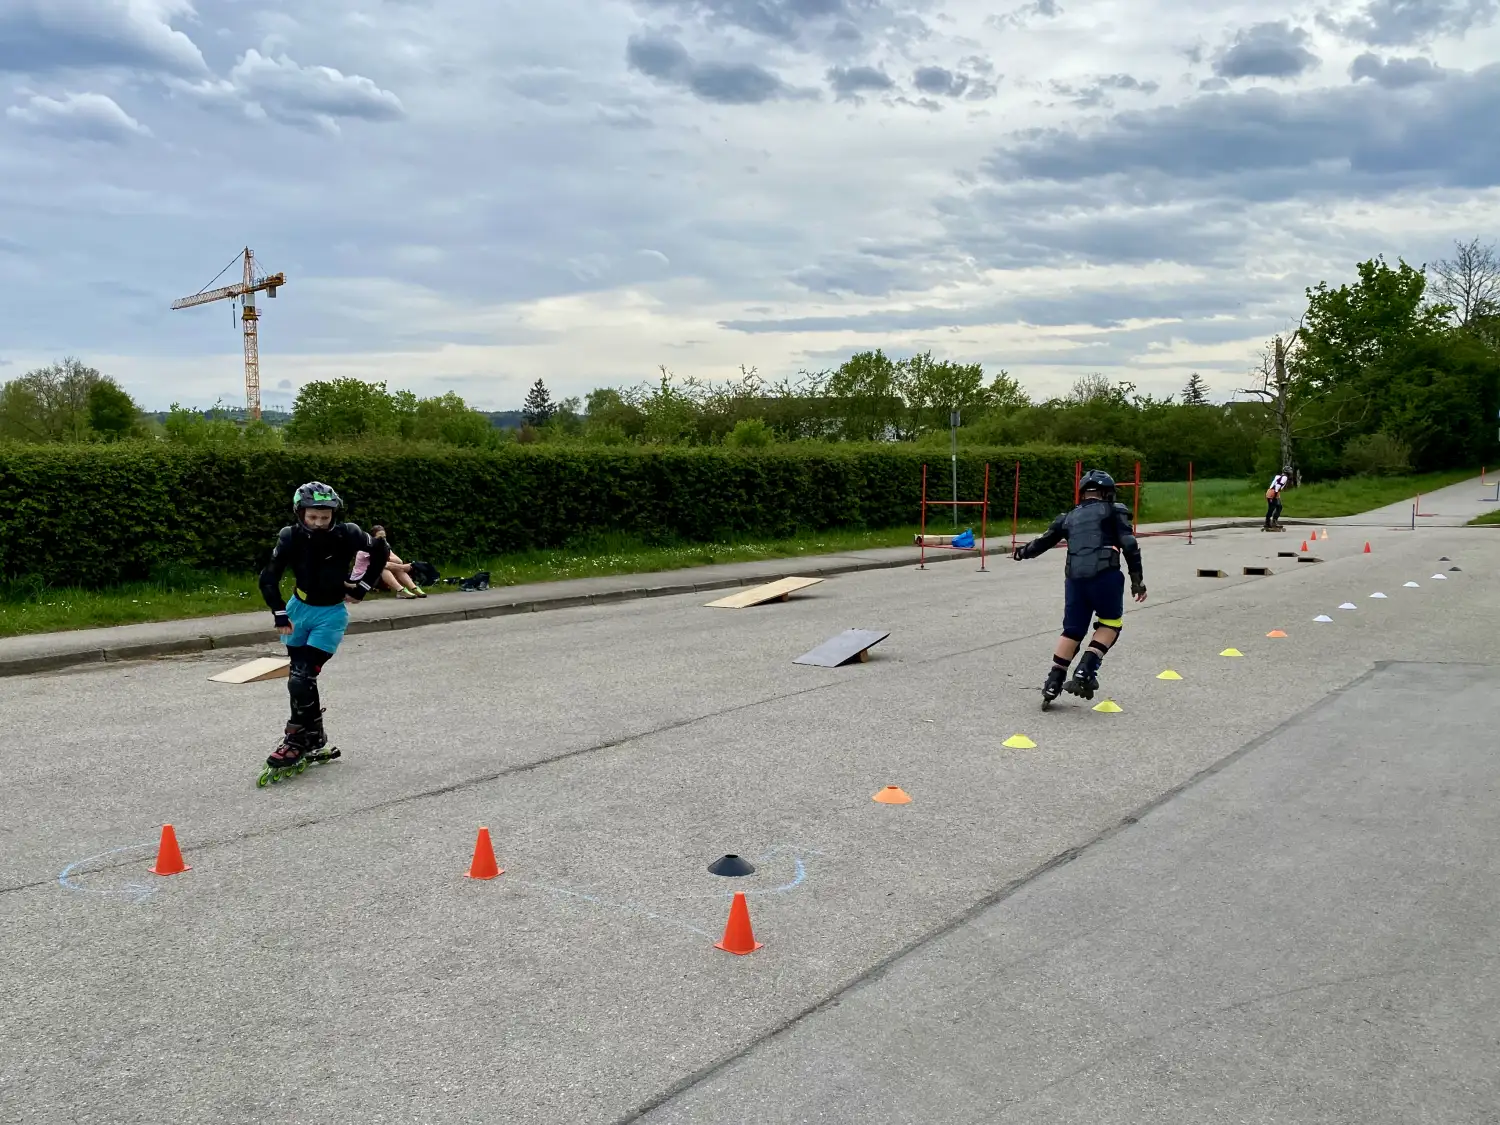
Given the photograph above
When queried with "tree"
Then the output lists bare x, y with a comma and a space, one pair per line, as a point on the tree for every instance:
112, 414
538, 407
343, 410
1196, 391
867, 391
449, 419
1006, 393
53, 403
1469, 282
1280, 390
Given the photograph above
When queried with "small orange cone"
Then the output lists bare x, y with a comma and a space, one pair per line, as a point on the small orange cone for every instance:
1304, 544
484, 865
168, 854
892, 795
1367, 546
738, 937
1275, 633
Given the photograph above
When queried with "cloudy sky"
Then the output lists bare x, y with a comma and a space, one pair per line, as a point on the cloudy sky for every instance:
468, 195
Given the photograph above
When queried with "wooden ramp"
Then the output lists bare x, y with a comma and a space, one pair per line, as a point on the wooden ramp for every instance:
778, 591
254, 671
847, 647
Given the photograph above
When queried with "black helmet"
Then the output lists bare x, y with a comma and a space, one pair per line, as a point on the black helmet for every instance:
1097, 480
315, 494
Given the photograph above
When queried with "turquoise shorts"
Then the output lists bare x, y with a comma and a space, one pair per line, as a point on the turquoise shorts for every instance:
321, 626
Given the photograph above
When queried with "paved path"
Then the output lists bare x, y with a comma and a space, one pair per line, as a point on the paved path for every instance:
1453, 506
1304, 936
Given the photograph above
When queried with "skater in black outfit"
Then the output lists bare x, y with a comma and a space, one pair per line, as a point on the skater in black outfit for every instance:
1098, 532
320, 554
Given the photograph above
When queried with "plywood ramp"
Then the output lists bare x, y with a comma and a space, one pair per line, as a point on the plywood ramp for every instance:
778, 591
254, 671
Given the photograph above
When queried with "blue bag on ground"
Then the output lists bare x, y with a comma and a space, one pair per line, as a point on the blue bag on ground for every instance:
964, 540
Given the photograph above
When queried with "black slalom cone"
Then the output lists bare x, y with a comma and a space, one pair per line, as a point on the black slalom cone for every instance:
731, 865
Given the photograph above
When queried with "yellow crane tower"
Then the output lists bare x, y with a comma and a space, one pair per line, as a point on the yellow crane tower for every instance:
246, 291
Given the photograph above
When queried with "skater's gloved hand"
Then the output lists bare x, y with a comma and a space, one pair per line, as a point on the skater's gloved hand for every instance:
1019, 554
1138, 589
355, 592
283, 622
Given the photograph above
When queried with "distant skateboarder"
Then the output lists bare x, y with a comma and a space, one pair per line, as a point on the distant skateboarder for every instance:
1098, 532
1273, 499
320, 554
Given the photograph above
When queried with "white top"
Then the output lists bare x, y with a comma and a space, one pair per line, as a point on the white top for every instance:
1279, 482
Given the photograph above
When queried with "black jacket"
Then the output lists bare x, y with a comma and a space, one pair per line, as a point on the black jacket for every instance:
320, 561
1093, 530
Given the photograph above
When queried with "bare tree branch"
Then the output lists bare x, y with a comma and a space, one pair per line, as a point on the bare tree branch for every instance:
1469, 281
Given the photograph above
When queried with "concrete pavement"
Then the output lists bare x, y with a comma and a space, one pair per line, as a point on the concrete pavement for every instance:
325, 960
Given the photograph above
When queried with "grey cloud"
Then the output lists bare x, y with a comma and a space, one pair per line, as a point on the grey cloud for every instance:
1395, 74
1199, 313
1096, 92
937, 80
39, 36
943, 82
668, 61
849, 82
91, 117
1267, 50
1399, 23
1254, 142
302, 95
1025, 14
776, 19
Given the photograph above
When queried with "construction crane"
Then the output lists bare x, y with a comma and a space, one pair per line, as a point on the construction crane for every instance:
246, 291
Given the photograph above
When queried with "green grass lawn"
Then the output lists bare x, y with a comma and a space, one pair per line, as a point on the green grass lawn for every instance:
1220, 499
185, 594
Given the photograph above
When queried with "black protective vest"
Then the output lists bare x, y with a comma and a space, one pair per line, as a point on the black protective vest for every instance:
320, 562
1093, 530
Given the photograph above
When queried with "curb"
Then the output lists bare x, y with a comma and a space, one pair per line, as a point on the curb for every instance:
241, 638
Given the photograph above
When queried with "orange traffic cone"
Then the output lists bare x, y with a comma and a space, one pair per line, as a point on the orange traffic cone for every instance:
1304, 544
168, 854
484, 865
738, 937
1367, 546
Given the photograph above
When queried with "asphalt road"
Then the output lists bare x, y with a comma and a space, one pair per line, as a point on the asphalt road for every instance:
1280, 939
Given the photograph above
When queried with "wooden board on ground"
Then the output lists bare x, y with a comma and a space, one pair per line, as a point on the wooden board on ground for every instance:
848, 646
778, 591
254, 671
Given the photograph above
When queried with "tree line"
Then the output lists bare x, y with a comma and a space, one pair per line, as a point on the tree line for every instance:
1398, 369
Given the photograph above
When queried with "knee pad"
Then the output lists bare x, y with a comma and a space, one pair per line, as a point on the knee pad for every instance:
1104, 646
302, 682
1076, 638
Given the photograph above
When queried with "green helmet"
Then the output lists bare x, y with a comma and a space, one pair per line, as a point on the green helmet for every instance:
315, 494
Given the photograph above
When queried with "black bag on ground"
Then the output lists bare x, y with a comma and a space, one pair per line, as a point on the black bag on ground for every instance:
480, 581
424, 573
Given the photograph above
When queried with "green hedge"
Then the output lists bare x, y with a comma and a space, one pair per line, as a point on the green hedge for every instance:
95, 516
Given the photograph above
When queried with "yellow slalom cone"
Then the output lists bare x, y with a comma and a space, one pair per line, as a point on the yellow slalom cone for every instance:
1109, 707
1231, 652
1169, 675
1019, 742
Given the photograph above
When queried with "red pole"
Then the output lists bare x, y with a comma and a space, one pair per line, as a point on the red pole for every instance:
1015, 509
1135, 513
984, 514
1077, 476
922, 535
1190, 503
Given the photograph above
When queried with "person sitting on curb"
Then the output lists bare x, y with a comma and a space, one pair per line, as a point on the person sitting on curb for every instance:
397, 574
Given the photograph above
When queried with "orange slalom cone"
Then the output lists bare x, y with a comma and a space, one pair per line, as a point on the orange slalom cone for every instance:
1304, 544
892, 795
484, 865
738, 937
168, 854
1367, 546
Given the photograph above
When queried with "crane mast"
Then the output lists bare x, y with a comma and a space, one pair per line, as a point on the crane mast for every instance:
246, 290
